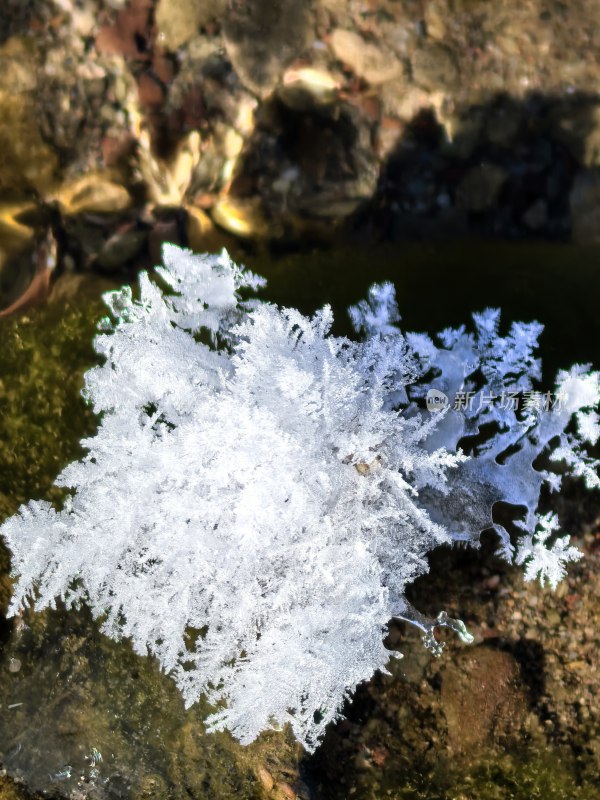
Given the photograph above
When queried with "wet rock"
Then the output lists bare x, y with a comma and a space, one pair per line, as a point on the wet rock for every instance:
201, 233
17, 263
388, 135
434, 66
229, 140
168, 181
584, 203
15, 227
316, 164
242, 217
25, 277
164, 229
178, 21
479, 188
263, 38
119, 250
482, 697
370, 61
96, 193
208, 175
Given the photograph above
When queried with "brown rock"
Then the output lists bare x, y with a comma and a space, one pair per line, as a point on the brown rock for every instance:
163, 67
151, 93
202, 235
482, 697
265, 777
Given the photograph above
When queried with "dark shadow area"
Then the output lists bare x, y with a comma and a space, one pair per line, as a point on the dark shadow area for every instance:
5, 592
440, 284
508, 168
530, 656
504, 169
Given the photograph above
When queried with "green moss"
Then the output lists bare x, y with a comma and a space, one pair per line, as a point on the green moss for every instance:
528, 775
42, 416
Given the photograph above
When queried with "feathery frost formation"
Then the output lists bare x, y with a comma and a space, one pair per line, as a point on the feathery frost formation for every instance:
260, 492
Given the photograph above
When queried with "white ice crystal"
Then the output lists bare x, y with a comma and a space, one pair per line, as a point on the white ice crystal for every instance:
260, 492
541, 559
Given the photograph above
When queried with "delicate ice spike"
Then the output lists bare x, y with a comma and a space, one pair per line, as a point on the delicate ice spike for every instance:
428, 626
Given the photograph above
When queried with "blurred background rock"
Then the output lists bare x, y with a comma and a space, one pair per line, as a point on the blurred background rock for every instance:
294, 124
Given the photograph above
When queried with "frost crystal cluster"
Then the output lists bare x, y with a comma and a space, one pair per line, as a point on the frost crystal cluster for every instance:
260, 492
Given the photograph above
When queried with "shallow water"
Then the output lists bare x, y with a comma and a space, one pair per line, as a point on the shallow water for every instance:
441, 285
66, 692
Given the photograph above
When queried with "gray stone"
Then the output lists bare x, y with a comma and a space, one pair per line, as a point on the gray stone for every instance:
262, 38
434, 66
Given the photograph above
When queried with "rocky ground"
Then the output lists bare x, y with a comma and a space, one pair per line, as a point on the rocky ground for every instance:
127, 123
